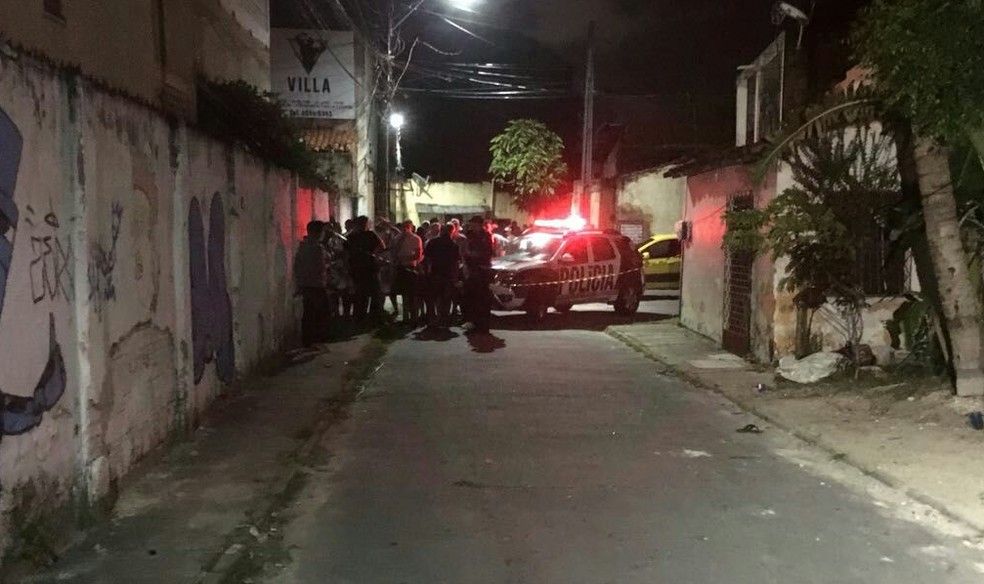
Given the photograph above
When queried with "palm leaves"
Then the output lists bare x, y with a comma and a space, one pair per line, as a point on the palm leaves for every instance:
856, 106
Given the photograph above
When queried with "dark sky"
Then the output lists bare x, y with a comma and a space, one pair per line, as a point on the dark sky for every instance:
680, 56
666, 71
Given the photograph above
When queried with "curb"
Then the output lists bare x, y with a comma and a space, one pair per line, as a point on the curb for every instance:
812, 440
230, 559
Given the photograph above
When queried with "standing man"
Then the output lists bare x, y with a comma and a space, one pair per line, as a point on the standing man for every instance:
408, 252
339, 276
458, 307
443, 261
363, 246
388, 234
478, 263
311, 279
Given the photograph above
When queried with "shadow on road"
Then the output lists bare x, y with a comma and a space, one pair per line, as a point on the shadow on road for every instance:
657, 297
435, 334
485, 342
575, 320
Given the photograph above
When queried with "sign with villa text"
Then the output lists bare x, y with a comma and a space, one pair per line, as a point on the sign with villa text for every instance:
311, 72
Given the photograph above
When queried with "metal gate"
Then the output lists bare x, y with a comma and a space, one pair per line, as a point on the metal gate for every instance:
737, 337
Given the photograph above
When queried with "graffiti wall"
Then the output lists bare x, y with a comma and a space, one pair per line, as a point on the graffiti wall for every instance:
143, 268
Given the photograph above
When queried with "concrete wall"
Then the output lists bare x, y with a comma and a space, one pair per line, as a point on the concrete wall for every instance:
148, 268
652, 198
703, 278
828, 325
460, 194
234, 40
119, 42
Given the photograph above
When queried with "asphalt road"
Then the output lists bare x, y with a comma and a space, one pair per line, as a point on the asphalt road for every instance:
559, 456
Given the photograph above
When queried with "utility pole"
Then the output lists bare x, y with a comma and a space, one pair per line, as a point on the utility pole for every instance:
587, 149
384, 208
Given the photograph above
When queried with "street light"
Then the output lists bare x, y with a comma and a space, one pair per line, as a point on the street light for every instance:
397, 120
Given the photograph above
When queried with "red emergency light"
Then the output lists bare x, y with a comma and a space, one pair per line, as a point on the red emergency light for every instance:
571, 223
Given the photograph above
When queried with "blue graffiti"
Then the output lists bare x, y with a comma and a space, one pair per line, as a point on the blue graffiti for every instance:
211, 307
10, 152
20, 414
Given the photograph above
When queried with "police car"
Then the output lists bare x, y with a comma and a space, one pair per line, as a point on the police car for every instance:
554, 266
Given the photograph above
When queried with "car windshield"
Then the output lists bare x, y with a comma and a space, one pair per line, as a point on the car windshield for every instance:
534, 246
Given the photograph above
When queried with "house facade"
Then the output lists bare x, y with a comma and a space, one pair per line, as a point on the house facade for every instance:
735, 297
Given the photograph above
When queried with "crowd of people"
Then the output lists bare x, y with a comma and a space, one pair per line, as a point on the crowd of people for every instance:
441, 271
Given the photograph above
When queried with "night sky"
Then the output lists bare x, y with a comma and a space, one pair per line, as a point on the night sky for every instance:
666, 70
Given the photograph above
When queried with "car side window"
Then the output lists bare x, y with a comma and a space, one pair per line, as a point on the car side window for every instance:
602, 250
660, 250
579, 249
675, 248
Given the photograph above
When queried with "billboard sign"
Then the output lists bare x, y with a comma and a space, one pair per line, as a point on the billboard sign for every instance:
311, 72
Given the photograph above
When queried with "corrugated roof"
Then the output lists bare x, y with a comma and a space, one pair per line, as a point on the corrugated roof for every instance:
428, 209
330, 137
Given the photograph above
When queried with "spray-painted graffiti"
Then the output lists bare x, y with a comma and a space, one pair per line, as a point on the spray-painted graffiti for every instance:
102, 263
211, 307
51, 260
20, 414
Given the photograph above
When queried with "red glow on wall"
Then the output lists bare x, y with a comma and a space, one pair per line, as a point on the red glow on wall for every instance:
304, 211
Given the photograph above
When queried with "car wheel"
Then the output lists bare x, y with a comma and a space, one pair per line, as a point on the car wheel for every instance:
536, 312
563, 308
629, 297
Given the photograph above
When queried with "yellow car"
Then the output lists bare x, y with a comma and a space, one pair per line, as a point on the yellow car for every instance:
661, 259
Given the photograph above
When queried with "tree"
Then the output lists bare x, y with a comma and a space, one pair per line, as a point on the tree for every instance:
236, 112
844, 182
527, 158
927, 58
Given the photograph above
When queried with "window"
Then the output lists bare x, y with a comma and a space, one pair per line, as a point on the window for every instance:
579, 249
602, 250
54, 8
664, 249
881, 273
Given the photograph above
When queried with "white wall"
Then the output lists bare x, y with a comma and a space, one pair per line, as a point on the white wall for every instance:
654, 199
702, 279
104, 250
460, 194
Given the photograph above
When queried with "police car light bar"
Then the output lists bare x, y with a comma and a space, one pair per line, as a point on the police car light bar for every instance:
572, 223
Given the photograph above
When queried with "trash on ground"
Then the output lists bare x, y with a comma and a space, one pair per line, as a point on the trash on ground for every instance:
976, 420
750, 429
816, 367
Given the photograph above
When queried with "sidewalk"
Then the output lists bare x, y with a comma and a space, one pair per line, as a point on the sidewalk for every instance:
181, 513
913, 436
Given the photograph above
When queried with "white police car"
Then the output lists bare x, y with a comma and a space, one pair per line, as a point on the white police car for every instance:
557, 268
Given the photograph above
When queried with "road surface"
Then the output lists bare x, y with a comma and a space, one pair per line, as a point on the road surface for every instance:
560, 456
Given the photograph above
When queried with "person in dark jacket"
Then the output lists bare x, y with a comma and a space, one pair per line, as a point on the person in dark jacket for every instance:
479, 252
442, 260
363, 247
311, 279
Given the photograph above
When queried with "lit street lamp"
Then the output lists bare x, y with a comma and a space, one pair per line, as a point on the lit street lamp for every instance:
396, 121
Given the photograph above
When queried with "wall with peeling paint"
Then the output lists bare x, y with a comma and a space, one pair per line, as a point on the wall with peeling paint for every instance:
154, 50
149, 268
652, 199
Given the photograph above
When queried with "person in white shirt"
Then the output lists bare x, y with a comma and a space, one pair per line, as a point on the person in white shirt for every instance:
408, 252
